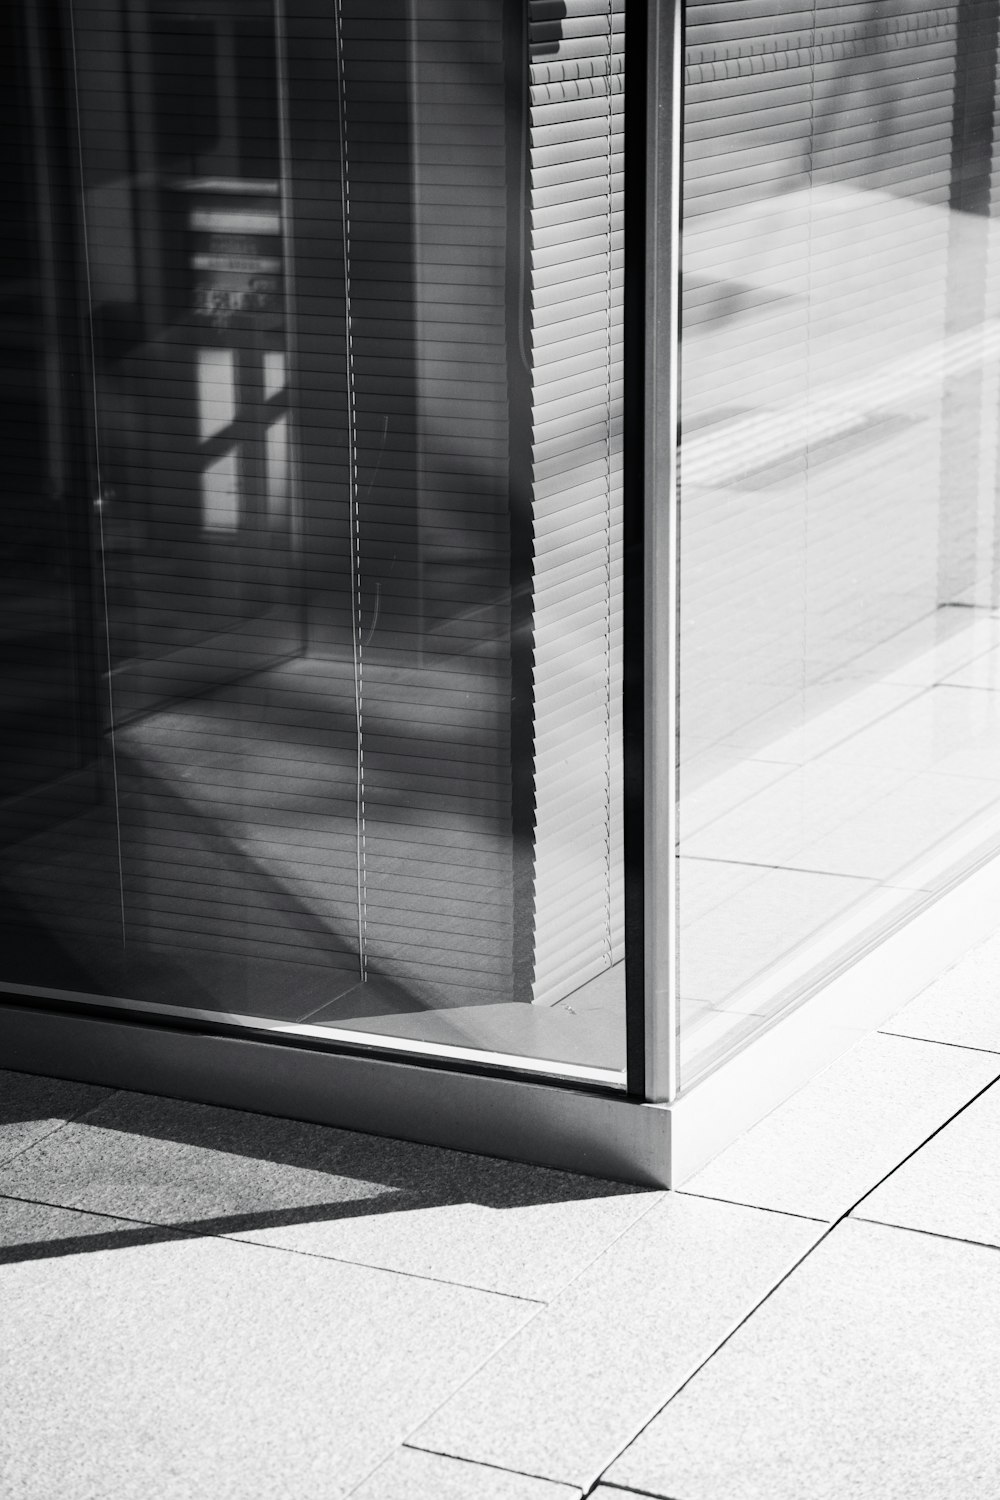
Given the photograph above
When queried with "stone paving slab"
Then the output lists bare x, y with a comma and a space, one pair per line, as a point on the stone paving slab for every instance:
869, 1372
500, 1226
411, 1474
961, 1007
179, 1367
951, 1186
568, 1392
831, 1142
32, 1108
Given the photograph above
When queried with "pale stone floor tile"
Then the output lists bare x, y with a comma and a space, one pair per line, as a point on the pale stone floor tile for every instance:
952, 1184
705, 884
757, 925
961, 1007
714, 798
901, 828
822, 728
928, 651
412, 1474
180, 1368
831, 1142
32, 1108
500, 1226
947, 729
870, 1372
773, 825
572, 1388
982, 673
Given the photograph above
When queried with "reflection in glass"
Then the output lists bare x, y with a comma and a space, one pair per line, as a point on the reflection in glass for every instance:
350, 522
840, 728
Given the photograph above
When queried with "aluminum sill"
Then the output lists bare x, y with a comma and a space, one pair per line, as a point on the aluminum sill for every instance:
550, 1124
601, 1133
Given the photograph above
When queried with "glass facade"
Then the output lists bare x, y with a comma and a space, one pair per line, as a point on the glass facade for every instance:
327, 456
317, 699
839, 625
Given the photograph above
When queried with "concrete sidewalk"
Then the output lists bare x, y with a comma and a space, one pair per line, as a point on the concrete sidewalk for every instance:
198, 1303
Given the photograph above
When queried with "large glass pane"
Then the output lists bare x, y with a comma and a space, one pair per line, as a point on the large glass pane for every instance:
840, 632
60, 917
352, 288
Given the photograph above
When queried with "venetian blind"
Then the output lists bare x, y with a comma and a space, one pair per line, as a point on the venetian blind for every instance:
575, 270
425, 209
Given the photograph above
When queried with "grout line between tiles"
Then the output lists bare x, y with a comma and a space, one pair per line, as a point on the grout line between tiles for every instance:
765, 864
933, 1234
820, 1239
406, 1441
482, 1463
191, 1232
700, 1365
5, 1161
929, 1041
364, 1265
624, 1489
763, 1208
937, 1041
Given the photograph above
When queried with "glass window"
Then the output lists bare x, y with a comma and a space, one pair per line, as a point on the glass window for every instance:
839, 627
346, 561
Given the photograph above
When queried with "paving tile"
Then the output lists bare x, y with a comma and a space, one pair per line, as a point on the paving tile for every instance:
951, 1185
830, 1143
411, 1474
704, 884
821, 728
773, 825
570, 1390
983, 672
900, 828
871, 1371
32, 1108
928, 651
948, 729
759, 924
500, 1226
962, 1007
186, 1367
719, 795
616, 1492
31, 1231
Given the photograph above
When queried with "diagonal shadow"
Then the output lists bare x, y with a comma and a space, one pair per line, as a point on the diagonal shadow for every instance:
215, 1227
115, 1142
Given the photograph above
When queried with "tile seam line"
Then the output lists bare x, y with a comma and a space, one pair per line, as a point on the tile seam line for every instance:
936, 1041
762, 864
932, 1234
82, 1114
625, 1489
180, 1232
922, 691
483, 1463
820, 1239
408, 1440
762, 1208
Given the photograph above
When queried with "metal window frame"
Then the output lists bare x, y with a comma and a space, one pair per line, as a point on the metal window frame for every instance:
654, 100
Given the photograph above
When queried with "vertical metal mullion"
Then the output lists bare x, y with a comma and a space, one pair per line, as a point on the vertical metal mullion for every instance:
652, 332
637, 33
